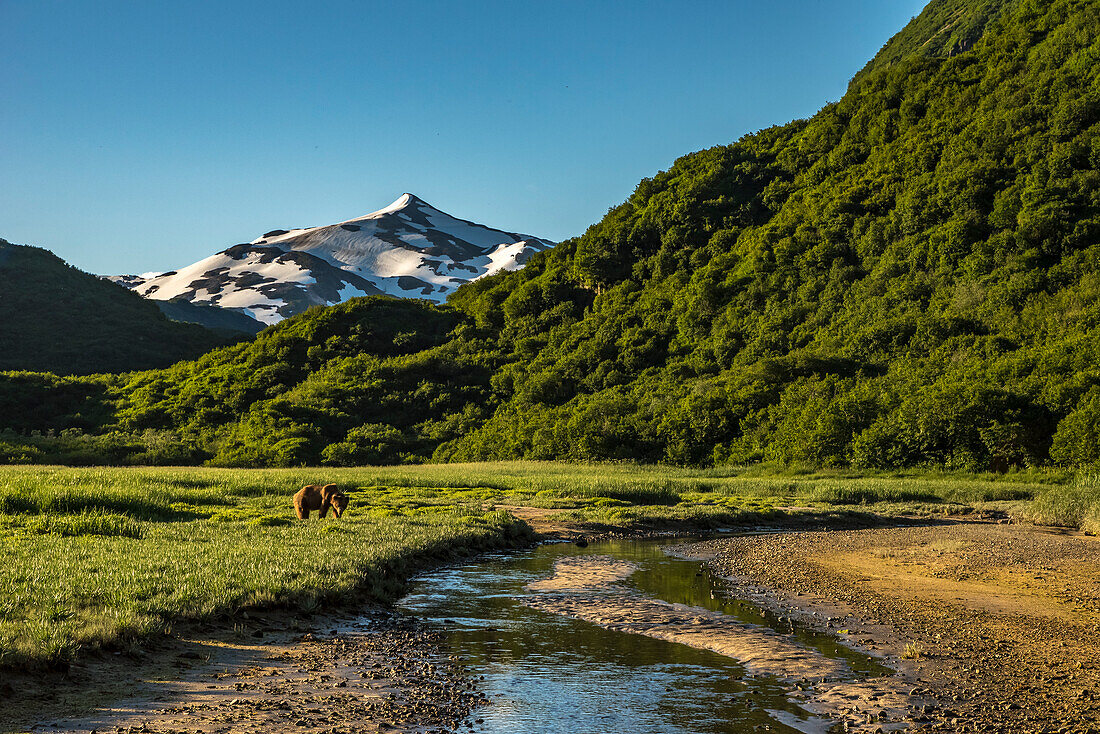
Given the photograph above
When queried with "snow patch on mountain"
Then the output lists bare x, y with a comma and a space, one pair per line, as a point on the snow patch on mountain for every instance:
407, 249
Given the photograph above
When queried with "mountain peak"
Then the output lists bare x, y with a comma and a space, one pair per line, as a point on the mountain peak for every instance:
408, 248
405, 201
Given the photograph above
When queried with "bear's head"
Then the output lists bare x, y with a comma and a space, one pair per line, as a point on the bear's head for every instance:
339, 504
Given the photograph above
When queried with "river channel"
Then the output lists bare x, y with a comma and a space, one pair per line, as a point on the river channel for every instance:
563, 667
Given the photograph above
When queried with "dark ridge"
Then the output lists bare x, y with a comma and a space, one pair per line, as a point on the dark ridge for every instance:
56, 318
212, 317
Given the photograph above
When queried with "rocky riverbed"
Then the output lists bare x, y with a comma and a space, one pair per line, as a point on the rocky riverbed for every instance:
998, 625
381, 673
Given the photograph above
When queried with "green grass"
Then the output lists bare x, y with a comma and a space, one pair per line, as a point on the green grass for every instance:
1074, 505
106, 557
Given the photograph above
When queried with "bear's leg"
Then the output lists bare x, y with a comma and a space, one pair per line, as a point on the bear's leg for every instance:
324, 510
303, 513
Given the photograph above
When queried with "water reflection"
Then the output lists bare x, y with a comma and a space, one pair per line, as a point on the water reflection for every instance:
548, 673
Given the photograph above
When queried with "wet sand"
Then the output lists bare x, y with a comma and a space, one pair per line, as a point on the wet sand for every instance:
595, 597
998, 624
382, 674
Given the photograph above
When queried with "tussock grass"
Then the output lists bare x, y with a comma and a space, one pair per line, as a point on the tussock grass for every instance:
1074, 505
863, 494
87, 522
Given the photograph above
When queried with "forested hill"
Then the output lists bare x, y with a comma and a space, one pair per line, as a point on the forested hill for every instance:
945, 28
909, 277
57, 318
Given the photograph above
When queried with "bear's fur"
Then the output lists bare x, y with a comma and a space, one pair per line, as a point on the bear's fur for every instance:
316, 497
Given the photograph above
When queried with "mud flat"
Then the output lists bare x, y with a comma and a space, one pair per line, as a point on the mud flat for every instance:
377, 673
996, 626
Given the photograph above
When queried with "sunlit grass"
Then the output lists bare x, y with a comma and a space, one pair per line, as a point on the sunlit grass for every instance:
1074, 505
96, 557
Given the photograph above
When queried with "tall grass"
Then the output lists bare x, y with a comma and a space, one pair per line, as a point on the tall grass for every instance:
95, 522
1075, 505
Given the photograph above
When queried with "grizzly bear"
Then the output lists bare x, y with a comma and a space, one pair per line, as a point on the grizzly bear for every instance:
315, 497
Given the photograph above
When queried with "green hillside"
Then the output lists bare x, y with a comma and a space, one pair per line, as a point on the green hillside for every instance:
945, 28
56, 318
357, 383
907, 278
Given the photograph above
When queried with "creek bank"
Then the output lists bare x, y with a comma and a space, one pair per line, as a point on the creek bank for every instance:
378, 672
994, 625
550, 527
126, 685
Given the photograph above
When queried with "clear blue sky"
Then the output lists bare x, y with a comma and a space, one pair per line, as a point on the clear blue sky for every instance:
139, 136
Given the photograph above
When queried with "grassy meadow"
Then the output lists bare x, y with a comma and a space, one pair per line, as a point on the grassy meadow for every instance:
106, 557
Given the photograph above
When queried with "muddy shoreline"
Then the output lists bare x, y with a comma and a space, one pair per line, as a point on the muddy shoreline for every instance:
378, 671
996, 627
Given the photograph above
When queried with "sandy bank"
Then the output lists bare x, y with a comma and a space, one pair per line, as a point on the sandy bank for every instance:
1000, 622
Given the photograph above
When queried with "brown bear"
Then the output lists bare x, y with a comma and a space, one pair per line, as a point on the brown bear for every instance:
315, 497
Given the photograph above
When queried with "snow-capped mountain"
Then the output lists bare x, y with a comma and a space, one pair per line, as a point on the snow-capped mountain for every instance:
408, 249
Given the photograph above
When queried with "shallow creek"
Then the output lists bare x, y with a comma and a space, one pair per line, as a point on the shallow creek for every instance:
622, 637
